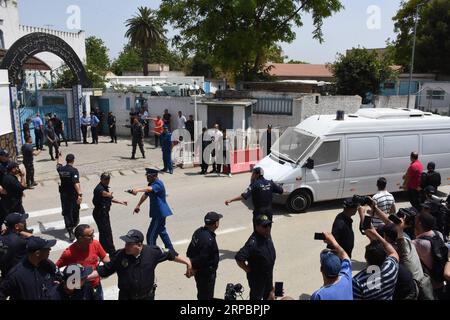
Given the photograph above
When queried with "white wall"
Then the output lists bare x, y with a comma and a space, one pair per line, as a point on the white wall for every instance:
5, 113
429, 104
10, 27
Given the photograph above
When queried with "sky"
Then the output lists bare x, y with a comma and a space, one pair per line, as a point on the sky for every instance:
365, 23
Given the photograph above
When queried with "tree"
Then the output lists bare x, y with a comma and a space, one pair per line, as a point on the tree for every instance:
239, 35
145, 31
129, 59
97, 65
433, 36
296, 62
361, 71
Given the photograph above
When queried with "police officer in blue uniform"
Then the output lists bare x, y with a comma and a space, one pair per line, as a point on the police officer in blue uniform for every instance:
261, 192
159, 209
67, 290
257, 259
34, 277
135, 267
13, 242
71, 196
204, 254
166, 146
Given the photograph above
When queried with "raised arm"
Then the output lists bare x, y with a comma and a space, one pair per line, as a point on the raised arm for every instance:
372, 234
330, 240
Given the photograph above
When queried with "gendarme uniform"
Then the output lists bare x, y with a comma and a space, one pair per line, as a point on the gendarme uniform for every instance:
260, 254
70, 209
136, 275
14, 244
102, 205
204, 254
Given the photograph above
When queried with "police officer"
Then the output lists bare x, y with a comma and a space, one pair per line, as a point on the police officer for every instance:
137, 138
206, 141
261, 191
69, 289
135, 267
95, 126
34, 277
13, 241
112, 127
58, 124
159, 209
28, 154
4, 160
71, 196
257, 259
14, 188
204, 255
102, 204
166, 146
85, 123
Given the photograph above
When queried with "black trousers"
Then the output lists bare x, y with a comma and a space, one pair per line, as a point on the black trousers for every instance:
101, 217
112, 134
84, 133
414, 198
94, 134
50, 149
61, 137
123, 295
157, 137
135, 143
206, 281
39, 139
70, 210
29, 173
260, 286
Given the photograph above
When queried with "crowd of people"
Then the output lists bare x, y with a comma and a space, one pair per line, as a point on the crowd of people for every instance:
407, 255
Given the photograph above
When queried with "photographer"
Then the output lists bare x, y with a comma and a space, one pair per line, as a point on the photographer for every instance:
383, 258
336, 269
406, 250
342, 226
438, 209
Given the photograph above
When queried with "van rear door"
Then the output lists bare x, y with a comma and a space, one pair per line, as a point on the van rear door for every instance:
326, 177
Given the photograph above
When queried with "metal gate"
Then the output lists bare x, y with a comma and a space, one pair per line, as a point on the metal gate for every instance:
30, 112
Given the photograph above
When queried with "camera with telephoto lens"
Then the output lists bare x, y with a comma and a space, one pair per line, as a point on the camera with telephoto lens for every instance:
408, 214
362, 200
233, 290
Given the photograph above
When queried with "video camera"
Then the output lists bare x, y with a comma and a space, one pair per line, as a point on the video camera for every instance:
362, 200
233, 290
408, 214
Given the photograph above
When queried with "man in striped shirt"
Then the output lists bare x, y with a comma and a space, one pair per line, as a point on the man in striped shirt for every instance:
384, 201
378, 280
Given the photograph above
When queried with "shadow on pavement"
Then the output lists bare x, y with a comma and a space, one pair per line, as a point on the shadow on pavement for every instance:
45, 160
55, 233
226, 255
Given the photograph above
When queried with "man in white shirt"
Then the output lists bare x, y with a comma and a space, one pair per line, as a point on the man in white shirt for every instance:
181, 121
216, 138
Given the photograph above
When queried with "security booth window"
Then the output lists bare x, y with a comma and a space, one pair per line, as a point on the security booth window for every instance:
329, 152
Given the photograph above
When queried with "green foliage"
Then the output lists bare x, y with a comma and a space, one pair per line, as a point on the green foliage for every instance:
145, 32
433, 36
128, 60
361, 71
239, 36
297, 62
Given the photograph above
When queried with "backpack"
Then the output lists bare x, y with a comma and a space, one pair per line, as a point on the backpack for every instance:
439, 252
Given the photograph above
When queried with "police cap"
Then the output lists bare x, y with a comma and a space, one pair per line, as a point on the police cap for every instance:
212, 217
35, 244
151, 172
14, 218
70, 158
133, 236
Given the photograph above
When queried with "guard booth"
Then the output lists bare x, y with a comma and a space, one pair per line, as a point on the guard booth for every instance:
232, 115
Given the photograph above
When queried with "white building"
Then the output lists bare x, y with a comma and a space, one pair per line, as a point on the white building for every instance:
435, 97
6, 129
11, 30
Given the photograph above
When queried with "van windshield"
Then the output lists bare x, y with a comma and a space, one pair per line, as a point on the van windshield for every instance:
293, 144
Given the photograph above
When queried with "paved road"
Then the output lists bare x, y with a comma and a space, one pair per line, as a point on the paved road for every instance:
191, 196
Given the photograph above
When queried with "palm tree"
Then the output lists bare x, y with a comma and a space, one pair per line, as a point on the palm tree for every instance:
145, 31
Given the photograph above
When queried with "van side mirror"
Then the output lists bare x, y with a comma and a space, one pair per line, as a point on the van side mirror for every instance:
309, 164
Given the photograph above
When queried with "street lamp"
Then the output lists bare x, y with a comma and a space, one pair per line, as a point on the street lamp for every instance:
411, 69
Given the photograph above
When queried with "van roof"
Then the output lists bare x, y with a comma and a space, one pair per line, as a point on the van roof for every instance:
375, 120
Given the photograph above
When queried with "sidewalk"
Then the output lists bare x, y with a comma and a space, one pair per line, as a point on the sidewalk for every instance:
92, 160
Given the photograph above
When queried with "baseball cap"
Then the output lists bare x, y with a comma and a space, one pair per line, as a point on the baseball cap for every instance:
258, 170
35, 244
12, 165
70, 158
71, 269
133, 236
349, 203
262, 220
151, 172
331, 264
212, 217
14, 218
4, 153
430, 189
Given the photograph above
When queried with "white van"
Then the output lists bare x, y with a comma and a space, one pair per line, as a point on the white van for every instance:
324, 158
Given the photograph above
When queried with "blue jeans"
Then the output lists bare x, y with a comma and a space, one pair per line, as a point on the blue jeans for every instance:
98, 292
158, 228
167, 159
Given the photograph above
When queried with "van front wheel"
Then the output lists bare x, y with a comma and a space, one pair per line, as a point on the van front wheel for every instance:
299, 201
